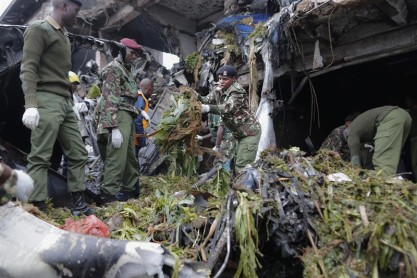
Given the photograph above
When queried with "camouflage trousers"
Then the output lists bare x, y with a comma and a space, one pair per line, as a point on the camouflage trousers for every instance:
246, 150
228, 152
121, 168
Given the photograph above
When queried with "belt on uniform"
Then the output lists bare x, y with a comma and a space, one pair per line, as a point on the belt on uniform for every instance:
128, 100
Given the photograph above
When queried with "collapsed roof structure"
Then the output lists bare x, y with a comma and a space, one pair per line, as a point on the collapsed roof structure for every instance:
311, 42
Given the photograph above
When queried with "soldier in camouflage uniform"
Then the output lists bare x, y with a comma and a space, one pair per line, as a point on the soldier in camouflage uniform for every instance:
227, 145
116, 128
223, 140
336, 141
14, 183
230, 101
213, 122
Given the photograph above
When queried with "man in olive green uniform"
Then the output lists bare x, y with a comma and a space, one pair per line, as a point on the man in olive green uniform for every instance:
116, 129
387, 127
230, 101
49, 105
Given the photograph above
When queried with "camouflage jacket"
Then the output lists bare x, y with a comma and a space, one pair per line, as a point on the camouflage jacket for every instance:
7, 183
335, 142
119, 92
233, 107
214, 121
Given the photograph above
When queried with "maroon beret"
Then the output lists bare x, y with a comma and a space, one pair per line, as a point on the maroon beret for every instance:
130, 43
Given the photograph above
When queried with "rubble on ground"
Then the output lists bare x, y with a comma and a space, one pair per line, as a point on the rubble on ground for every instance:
363, 227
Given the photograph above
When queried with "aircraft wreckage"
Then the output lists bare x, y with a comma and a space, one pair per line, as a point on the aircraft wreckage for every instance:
288, 215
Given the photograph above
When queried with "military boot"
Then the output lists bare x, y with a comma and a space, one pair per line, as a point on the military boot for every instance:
79, 206
41, 205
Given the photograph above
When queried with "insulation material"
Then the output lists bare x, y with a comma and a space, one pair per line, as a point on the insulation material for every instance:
317, 59
264, 112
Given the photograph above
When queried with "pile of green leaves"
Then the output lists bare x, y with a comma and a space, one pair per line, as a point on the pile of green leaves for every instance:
341, 242
178, 128
348, 244
192, 61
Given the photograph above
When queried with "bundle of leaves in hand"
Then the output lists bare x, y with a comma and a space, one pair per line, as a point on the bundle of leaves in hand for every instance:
178, 129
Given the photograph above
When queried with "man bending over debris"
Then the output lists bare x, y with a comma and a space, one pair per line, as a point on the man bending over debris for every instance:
388, 128
230, 101
49, 105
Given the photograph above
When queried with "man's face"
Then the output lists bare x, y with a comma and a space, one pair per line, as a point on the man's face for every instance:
70, 12
147, 89
74, 86
225, 82
131, 55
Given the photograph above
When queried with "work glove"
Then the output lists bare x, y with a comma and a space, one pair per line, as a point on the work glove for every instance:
205, 108
216, 149
90, 103
116, 138
145, 115
81, 107
24, 186
31, 118
199, 137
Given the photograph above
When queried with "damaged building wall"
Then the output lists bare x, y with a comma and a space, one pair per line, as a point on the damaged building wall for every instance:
312, 42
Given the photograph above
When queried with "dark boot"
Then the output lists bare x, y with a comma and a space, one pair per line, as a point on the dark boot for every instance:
131, 194
79, 206
41, 205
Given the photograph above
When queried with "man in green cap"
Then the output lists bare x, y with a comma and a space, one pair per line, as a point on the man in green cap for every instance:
230, 101
49, 106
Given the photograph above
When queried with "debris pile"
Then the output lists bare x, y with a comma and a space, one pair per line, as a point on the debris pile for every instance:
362, 227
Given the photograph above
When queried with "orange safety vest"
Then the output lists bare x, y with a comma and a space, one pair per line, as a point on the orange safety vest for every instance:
144, 122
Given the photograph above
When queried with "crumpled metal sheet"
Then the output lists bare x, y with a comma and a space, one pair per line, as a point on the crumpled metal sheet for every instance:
30, 247
11, 45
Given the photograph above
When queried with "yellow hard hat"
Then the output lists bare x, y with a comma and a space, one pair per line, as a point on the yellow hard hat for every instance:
73, 77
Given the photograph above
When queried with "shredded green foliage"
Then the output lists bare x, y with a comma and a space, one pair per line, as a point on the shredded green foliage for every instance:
346, 245
191, 61
247, 234
260, 31
178, 129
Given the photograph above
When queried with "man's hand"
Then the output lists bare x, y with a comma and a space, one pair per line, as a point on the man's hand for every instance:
90, 103
199, 137
145, 115
81, 107
205, 108
24, 186
216, 149
31, 118
116, 138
